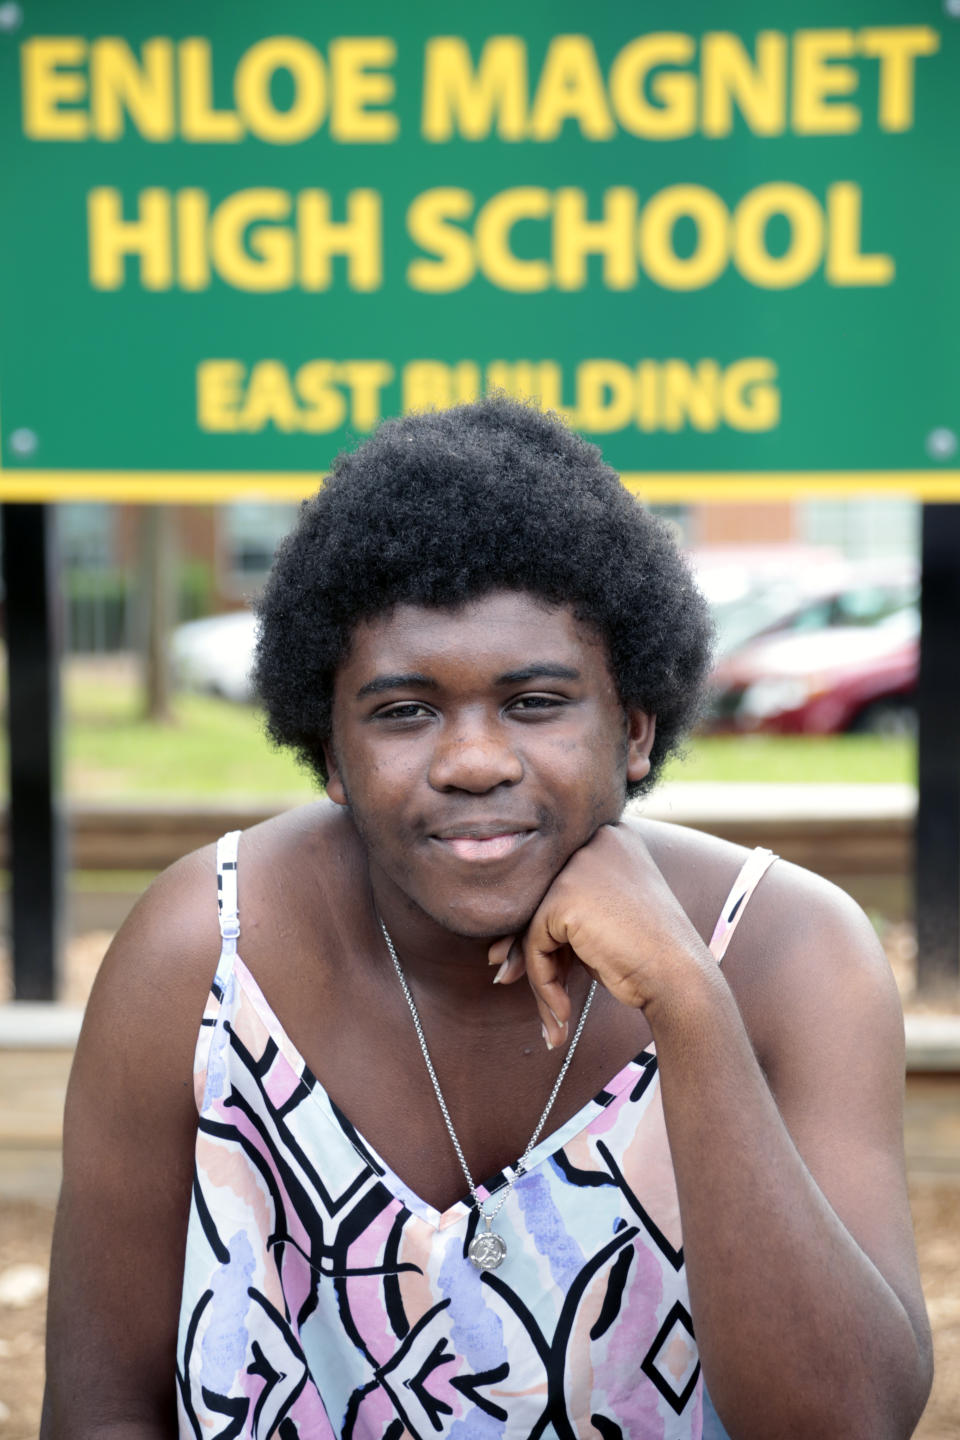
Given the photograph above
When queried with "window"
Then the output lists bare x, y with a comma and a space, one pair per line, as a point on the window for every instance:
248, 538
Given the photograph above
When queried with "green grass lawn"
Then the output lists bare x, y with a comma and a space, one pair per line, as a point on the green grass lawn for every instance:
214, 749
828, 759
211, 748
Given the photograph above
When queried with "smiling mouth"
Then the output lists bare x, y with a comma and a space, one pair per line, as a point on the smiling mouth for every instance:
484, 847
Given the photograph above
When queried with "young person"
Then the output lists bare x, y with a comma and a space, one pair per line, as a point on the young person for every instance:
477, 1138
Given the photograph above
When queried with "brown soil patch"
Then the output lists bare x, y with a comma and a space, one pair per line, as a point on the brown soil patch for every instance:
25, 1231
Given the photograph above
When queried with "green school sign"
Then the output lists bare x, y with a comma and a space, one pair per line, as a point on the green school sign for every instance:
722, 239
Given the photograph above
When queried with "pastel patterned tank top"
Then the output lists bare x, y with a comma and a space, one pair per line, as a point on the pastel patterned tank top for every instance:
322, 1297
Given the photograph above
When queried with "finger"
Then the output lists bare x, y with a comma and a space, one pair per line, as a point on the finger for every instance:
547, 966
500, 949
548, 958
555, 1034
511, 966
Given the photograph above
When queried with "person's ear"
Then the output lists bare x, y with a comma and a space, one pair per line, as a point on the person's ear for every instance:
336, 790
641, 729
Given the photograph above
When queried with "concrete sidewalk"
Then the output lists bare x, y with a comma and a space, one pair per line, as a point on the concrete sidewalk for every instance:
700, 802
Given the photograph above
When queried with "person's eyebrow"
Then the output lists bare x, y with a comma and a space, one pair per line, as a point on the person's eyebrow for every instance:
549, 670
379, 683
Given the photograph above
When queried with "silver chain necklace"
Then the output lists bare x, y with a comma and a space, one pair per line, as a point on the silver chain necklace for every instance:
486, 1250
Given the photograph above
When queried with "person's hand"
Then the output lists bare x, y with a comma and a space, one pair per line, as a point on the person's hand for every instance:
611, 910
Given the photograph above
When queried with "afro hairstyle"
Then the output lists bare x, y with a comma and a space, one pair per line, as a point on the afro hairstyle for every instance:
439, 508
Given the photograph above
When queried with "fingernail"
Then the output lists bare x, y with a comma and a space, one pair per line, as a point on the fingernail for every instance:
546, 1038
562, 1025
502, 971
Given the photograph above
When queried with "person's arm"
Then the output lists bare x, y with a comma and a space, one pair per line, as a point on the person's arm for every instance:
129, 1129
797, 1237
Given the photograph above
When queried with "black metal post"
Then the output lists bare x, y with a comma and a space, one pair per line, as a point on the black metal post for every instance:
35, 829
938, 817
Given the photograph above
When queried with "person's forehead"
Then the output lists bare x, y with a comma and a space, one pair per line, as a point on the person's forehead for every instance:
493, 631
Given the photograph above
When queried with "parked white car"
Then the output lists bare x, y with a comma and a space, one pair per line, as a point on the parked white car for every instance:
215, 655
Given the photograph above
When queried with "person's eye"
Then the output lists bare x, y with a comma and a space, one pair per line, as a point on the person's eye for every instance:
536, 704
403, 710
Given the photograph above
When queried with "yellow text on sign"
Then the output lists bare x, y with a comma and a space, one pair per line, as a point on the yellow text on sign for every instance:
604, 395
631, 238
261, 240
270, 240
664, 86
74, 89
600, 396
661, 85
321, 396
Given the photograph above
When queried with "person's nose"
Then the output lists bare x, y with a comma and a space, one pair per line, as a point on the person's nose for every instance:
474, 754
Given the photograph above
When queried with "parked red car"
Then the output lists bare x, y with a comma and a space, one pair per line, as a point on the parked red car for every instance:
822, 681
804, 590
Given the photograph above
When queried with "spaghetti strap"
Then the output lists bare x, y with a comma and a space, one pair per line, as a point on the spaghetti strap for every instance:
227, 911
212, 1037
751, 873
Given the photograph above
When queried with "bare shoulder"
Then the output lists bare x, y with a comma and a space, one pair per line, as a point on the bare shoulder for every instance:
804, 963
164, 957
810, 973
822, 1011
143, 1018
160, 965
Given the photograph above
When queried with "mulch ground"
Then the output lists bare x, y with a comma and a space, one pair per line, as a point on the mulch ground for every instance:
25, 1238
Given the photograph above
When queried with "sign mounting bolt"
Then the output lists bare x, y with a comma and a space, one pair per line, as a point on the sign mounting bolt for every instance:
942, 443
23, 442
952, 7
11, 18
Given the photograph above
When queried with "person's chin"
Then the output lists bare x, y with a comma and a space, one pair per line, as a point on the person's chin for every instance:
490, 912
485, 928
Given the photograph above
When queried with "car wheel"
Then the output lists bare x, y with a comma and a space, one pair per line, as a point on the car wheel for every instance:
887, 717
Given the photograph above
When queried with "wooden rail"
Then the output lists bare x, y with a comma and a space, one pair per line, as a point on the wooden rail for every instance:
836, 830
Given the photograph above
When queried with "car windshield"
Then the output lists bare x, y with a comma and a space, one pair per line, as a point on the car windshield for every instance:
784, 606
737, 620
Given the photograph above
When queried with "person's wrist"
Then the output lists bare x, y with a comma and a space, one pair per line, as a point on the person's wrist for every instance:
689, 996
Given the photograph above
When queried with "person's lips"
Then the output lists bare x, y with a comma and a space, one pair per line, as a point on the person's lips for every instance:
483, 842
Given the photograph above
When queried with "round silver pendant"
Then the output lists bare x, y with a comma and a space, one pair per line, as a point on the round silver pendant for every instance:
487, 1250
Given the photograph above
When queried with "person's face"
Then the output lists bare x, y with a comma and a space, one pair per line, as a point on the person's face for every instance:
477, 749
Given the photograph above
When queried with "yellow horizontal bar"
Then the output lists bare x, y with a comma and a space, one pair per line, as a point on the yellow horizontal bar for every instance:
717, 486
204, 487
159, 487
